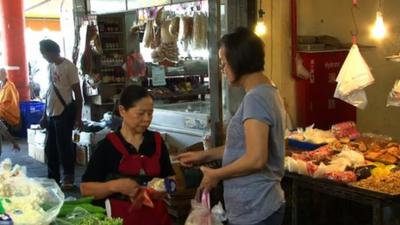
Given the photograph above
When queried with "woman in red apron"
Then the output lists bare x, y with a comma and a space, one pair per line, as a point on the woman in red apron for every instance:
126, 160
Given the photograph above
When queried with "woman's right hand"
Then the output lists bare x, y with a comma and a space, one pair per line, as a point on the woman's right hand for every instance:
189, 158
126, 187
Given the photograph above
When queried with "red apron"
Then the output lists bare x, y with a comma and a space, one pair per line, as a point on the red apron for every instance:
133, 165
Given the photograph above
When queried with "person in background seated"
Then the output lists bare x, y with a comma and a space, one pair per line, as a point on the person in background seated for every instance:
9, 103
127, 159
10, 120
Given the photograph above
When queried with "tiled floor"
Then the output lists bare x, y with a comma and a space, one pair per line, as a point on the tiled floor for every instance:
34, 167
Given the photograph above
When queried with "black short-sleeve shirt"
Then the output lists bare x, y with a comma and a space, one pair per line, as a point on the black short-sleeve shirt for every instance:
105, 160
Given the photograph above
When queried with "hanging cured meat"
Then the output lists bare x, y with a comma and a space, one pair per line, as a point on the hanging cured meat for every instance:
200, 31
148, 34
185, 32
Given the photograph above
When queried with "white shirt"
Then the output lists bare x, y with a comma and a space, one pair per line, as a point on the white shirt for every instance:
63, 76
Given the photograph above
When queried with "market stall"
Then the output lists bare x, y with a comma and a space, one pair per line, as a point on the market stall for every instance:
345, 164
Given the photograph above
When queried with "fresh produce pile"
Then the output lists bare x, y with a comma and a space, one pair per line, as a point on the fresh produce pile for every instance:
82, 212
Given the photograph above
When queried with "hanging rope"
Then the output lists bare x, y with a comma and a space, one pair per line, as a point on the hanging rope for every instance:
354, 33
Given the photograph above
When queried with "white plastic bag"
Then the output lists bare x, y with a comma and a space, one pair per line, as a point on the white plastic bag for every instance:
353, 77
201, 214
393, 98
219, 212
354, 74
357, 98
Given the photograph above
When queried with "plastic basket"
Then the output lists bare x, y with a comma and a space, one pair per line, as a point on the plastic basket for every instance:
31, 113
303, 145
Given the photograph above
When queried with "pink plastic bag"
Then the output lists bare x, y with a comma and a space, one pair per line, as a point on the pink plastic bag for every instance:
201, 214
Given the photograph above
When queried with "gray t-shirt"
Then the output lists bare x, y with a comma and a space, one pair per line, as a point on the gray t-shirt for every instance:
252, 198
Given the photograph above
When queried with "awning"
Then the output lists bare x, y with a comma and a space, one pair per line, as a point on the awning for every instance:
43, 8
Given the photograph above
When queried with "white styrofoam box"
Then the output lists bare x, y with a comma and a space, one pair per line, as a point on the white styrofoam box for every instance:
31, 136
31, 150
37, 152
40, 137
40, 154
35, 136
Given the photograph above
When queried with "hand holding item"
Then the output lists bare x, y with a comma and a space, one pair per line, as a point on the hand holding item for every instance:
125, 186
210, 180
141, 198
189, 158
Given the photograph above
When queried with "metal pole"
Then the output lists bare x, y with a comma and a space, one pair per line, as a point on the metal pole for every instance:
214, 33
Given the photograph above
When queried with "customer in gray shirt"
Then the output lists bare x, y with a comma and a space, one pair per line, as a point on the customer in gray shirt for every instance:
253, 155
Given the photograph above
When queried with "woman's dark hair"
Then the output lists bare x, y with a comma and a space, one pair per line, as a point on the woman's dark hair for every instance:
132, 94
244, 51
49, 46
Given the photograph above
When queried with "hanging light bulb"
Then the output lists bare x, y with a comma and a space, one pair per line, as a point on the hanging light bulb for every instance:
260, 28
379, 30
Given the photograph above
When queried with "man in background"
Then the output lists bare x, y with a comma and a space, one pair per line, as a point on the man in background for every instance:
63, 112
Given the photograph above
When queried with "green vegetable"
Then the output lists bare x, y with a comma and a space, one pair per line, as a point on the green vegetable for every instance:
69, 208
78, 201
93, 220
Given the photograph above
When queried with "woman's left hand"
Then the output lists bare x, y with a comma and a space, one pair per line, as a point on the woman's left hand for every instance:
210, 179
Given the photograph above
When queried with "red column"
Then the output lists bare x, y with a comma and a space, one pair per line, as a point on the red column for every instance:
13, 38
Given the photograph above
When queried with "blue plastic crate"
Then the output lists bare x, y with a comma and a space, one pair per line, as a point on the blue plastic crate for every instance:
303, 145
31, 113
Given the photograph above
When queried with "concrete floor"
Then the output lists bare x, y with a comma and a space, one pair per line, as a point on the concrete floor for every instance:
34, 167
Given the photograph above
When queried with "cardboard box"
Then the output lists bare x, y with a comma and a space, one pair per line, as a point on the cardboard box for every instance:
82, 155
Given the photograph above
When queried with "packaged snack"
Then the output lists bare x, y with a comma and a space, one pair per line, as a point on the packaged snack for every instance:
166, 185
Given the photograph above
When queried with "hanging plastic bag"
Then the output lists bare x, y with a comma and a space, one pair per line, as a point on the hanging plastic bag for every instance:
354, 74
201, 214
393, 98
353, 77
357, 98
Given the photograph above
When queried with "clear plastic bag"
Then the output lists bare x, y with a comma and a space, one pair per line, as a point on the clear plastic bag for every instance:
31, 201
201, 214
393, 98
